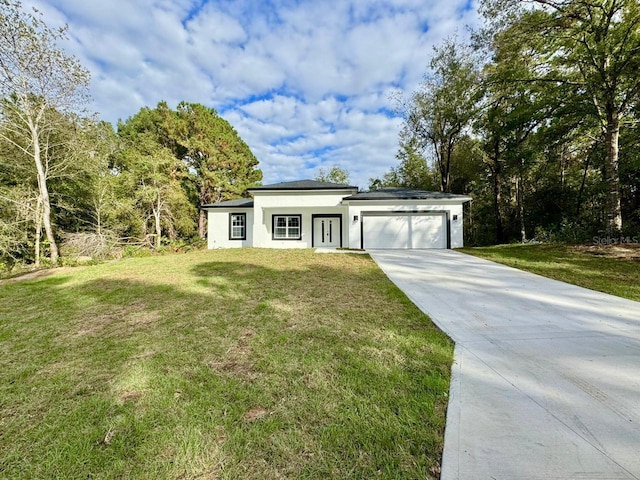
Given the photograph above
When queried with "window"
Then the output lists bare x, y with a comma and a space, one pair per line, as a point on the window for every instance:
287, 227
237, 226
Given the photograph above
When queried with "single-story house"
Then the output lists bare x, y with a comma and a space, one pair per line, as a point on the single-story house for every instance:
308, 213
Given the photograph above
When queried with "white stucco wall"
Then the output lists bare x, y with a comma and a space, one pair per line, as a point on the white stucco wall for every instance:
357, 207
218, 228
268, 204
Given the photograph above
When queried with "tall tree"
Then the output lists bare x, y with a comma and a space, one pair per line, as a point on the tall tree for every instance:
222, 164
39, 84
414, 171
511, 111
86, 194
592, 45
441, 110
153, 176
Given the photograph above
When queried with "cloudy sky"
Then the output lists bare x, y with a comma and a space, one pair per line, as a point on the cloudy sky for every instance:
307, 83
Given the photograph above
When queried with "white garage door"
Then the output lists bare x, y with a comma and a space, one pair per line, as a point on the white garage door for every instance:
404, 230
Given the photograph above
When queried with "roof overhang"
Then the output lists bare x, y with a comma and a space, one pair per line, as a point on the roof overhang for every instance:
303, 186
303, 191
409, 201
229, 204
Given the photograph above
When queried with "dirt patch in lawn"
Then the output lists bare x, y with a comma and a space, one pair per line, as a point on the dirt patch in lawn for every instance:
119, 320
623, 252
22, 277
130, 396
255, 413
237, 359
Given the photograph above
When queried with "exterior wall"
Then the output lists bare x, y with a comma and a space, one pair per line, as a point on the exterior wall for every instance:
218, 228
266, 232
267, 204
457, 226
357, 207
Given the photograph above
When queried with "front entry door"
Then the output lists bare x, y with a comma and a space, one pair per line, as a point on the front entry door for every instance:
326, 232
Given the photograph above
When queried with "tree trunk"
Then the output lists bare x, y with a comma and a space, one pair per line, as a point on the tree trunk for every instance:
202, 216
447, 170
520, 200
202, 223
38, 234
445, 176
156, 217
439, 150
614, 211
497, 193
44, 197
99, 220
582, 185
497, 200
562, 172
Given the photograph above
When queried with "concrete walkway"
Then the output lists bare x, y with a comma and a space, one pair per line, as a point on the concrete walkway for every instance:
546, 379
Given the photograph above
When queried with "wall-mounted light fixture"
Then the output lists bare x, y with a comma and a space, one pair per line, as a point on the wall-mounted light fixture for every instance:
355, 218
455, 217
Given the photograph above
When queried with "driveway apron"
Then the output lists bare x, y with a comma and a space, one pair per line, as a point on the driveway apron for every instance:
546, 378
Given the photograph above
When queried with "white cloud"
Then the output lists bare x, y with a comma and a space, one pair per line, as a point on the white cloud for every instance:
306, 84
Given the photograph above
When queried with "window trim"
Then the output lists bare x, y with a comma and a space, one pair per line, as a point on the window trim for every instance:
244, 230
286, 215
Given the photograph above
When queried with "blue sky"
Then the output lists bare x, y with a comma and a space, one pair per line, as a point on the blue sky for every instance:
307, 84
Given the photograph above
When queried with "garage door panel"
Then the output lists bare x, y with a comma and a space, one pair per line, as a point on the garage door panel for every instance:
427, 231
389, 231
404, 231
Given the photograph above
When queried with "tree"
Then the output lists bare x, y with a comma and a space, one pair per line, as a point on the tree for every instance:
592, 46
39, 84
413, 171
391, 178
101, 199
152, 176
86, 195
441, 110
334, 175
511, 114
222, 164
17, 215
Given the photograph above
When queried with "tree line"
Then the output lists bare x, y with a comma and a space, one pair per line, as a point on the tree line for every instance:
67, 177
537, 118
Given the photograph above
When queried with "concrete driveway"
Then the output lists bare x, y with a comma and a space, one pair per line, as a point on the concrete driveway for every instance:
546, 379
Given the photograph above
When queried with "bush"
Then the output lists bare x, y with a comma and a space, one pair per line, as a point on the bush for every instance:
566, 232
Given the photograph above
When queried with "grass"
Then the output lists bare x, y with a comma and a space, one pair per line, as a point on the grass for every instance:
235, 364
611, 270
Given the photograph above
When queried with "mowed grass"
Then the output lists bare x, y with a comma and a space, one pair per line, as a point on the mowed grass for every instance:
598, 269
236, 364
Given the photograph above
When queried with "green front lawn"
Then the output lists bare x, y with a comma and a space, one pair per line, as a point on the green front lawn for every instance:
614, 270
234, 364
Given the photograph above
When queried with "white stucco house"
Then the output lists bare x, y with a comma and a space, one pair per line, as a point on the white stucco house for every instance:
308, 213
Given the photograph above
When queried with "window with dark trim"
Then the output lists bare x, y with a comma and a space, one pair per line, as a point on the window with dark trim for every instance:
237, 226
287, 227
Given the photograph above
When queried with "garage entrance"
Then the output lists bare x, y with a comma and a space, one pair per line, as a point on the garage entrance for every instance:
404, 230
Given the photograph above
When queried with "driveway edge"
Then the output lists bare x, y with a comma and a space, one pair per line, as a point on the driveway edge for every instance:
450, 468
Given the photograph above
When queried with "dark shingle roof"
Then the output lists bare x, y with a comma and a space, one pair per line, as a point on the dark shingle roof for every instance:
394, 193
238, 203
304, 185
